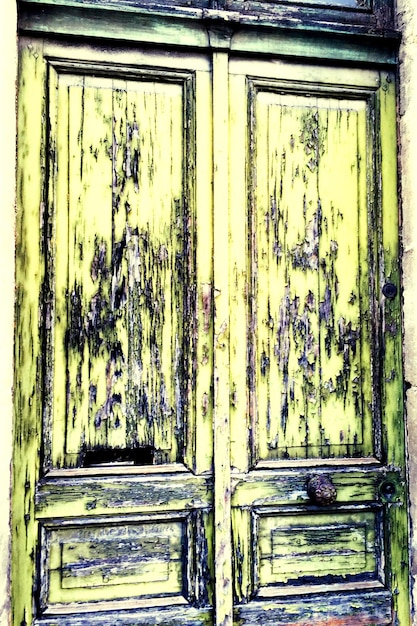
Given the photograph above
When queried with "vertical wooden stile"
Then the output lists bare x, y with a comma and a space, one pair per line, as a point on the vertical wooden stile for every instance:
222, 519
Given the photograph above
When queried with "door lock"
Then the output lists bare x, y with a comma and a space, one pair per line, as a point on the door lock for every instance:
389, 290
321, 490
390, 489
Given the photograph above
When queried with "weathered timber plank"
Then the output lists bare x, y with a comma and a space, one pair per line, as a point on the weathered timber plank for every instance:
356, 609
315, 548
342, 16
272, 488
114, 560
92, 496
32, 302
175, 616
307, 319
125, 296
393, 435
221, 415
180, 25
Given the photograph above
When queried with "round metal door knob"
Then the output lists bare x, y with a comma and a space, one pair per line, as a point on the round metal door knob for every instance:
321, 490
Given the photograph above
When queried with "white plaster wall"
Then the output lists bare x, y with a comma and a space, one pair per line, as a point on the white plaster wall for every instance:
7, 195
407, 22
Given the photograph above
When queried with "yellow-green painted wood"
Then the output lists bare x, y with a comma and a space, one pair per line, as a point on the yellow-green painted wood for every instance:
121, 343
221, 420
92, 562
113, 343
396, 524
202, 244
306, 291
318, 30
292, 547
30, 303
312, 386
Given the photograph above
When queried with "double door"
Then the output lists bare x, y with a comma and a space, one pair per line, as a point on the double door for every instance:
209, 415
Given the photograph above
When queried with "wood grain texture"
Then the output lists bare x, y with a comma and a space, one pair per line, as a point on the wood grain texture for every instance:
310, 283
31, 303
223, 546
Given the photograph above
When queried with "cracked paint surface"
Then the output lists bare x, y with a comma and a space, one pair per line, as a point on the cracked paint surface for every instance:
120, 365
125, 301
310, 277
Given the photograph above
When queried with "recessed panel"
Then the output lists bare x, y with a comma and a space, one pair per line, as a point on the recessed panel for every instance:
124, 232
316, 549
121, 561
311, 190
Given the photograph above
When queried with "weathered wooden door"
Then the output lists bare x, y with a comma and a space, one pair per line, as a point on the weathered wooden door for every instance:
209, 418
123, 484
316, 440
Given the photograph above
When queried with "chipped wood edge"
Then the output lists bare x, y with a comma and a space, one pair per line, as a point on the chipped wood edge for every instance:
407, 22
222, 506
8, 72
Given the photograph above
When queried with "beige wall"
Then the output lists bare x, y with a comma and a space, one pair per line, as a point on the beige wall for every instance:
407, 15
407, 22
7, 192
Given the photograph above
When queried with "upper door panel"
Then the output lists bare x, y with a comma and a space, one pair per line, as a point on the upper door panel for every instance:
121, 264
311, 190
311, 309
124, 212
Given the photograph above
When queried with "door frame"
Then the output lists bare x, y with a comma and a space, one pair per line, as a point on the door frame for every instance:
409, 195
8, 70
